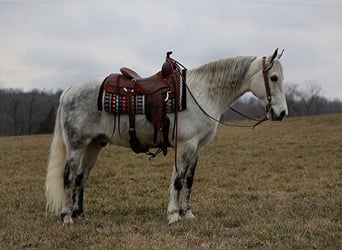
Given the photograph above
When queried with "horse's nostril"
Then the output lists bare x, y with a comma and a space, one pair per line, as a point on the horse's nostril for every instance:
282, 115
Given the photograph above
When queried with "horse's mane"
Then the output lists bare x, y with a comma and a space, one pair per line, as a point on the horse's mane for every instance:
229, 71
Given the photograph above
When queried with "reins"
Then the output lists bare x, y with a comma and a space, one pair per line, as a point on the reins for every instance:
258, 121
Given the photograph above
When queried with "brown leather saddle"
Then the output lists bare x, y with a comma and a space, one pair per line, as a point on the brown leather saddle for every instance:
156, 89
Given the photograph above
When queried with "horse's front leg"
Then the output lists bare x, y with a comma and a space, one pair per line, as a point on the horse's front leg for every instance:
185, 195
173, 209
185, 159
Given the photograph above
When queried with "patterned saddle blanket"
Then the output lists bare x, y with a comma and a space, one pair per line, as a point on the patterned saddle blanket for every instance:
117, 103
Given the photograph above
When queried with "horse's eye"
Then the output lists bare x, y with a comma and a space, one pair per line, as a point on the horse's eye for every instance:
274, 78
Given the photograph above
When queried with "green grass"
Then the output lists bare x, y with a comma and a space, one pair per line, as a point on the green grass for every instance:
277, 186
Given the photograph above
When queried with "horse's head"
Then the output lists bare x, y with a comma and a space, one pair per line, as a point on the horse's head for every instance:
267, 85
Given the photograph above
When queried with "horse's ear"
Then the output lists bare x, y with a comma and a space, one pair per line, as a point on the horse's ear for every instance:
281, 53
271, 58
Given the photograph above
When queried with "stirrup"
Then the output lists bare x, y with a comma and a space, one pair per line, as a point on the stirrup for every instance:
152, 155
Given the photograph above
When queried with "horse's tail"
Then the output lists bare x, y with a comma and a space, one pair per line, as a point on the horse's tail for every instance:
54, 183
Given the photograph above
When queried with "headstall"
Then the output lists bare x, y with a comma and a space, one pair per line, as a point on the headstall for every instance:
265, 70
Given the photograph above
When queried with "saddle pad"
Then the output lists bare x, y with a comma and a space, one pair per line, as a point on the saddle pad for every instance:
116, 103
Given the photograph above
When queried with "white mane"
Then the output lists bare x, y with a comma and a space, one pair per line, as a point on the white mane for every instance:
222, 75
225, 71
219, 80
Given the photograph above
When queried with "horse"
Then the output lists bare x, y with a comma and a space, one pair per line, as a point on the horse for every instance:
81, 130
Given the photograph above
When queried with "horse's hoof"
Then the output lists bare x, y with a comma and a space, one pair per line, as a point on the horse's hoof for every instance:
173, 218
77, 213
189, 215
67, 220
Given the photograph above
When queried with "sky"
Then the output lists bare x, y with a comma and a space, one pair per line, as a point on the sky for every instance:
53, 44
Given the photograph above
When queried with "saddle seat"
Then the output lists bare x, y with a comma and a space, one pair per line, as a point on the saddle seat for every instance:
149, 85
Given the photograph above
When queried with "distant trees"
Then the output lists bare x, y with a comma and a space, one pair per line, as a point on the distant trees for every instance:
47, 125
306, 101
33, 112
23, 113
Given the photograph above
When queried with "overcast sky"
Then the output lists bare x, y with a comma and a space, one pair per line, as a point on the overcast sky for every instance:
51, 44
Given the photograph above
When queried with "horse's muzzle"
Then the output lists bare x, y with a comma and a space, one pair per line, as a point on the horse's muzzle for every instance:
275, 117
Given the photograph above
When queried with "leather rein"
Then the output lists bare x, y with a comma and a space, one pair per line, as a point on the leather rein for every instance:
265, 70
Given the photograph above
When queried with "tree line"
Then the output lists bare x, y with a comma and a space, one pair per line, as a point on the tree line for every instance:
33, 112
25, 113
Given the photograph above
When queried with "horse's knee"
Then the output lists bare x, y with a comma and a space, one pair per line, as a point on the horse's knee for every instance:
185, 177
178, 183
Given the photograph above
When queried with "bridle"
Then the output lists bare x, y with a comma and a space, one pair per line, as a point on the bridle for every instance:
265, 70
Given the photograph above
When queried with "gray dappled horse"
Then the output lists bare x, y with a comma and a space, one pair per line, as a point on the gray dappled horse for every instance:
81, 131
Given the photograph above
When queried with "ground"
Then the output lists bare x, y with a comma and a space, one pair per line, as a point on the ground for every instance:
279, 185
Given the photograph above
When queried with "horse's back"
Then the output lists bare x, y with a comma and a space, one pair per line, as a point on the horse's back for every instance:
82, 91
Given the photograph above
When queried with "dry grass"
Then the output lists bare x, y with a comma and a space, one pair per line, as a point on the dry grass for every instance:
279, 185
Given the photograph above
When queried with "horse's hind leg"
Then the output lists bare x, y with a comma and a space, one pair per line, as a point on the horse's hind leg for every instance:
88, 161
71, 166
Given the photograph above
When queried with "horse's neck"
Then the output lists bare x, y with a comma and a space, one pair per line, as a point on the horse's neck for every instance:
214, 89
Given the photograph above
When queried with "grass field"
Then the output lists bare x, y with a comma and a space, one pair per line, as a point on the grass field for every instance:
279, 185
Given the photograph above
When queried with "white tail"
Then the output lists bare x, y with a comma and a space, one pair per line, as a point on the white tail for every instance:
54, 183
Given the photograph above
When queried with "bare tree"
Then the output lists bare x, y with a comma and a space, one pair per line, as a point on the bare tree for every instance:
32, 106
13, 111
312, 98
293, 97
307, 100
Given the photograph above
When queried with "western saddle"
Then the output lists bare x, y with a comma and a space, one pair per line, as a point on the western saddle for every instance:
157, 89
